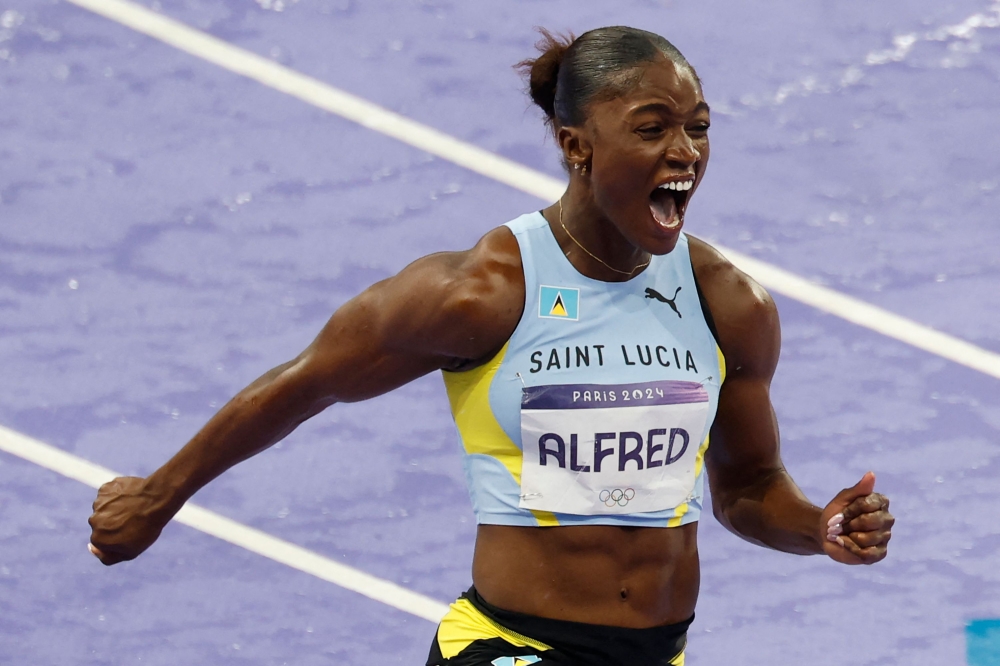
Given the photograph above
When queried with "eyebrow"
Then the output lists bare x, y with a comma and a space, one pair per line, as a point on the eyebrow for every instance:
700, 106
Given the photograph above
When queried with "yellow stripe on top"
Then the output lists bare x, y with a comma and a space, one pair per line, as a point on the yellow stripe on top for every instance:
699, 462
469, 395
722, 365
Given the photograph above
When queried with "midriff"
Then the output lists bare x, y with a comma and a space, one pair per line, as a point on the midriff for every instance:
634, 577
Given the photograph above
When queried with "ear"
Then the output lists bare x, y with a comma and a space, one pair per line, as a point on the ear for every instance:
575, 145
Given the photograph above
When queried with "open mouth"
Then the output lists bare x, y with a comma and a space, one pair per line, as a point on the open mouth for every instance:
668, 202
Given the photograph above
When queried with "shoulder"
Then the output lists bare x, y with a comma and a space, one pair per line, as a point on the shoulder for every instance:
465, 305
745, 315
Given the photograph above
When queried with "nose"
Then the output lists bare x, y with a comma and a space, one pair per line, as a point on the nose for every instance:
680, 152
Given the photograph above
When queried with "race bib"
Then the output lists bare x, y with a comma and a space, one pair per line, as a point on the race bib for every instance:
593, 449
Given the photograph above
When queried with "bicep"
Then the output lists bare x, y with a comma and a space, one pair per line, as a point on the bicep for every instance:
745, 447
440, 311
360, 353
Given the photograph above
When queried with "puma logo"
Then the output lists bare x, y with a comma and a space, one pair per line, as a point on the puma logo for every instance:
652, 293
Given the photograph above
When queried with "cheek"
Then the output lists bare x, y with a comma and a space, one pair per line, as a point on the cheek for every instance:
621, 178
705, 148
606, 181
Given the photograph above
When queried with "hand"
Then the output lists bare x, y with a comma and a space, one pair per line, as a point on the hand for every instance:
127, 519
856, 526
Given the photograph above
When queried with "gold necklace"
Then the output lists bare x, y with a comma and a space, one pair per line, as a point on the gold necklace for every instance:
594, 256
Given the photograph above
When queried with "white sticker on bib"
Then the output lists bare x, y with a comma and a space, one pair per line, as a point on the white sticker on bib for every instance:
594, 449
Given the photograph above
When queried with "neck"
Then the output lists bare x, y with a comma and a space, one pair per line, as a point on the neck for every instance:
588, 232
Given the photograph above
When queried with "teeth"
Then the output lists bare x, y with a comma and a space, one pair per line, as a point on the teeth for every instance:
681, 187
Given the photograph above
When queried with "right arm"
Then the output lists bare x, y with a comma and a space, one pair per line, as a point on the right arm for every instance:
448, 310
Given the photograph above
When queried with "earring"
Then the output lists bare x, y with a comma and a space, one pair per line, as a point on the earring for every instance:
576, 167
584, 170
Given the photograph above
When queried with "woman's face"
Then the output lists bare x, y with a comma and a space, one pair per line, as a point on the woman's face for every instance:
649, 150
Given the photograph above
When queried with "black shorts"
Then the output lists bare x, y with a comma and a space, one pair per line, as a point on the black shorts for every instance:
476, 633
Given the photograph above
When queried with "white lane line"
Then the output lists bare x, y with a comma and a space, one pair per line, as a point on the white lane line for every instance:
516, 175
235, 533
867, 315
317, 93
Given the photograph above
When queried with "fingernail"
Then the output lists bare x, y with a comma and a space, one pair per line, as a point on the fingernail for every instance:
90, 547
836, 520
833, 537
840, 542
835, 530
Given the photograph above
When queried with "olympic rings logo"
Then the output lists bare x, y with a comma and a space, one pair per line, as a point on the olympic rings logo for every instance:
616, 496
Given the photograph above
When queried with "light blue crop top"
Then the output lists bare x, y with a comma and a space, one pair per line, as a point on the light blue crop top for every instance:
598, 408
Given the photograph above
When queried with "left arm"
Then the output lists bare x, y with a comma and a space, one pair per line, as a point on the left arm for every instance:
753, 495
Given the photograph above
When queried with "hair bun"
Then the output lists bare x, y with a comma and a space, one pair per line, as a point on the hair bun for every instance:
542, 73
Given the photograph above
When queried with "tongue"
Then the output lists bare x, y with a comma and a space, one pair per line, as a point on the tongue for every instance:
663, 207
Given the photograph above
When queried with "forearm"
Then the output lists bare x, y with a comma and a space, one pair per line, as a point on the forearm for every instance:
772, 512
259, 416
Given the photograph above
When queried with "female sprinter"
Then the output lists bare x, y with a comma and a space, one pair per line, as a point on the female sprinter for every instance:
590, 353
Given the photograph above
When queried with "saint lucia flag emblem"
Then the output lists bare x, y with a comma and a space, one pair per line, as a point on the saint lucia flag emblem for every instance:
559, 303
516, 661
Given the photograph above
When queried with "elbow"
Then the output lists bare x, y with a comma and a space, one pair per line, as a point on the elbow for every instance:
307, 387
719, 511
293, 390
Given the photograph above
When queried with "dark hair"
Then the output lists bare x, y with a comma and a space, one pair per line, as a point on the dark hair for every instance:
572, 72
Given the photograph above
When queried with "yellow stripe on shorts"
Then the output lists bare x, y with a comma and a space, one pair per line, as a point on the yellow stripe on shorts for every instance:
464, 624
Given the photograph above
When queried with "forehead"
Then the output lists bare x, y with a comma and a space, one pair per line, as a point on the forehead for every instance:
659, 82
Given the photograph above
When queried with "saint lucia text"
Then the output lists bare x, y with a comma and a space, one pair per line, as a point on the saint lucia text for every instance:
558, 358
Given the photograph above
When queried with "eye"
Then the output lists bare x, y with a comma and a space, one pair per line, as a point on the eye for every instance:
699, 129
648, 132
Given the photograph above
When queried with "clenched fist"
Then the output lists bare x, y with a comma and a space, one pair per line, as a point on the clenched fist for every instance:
128, 517
857, 525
